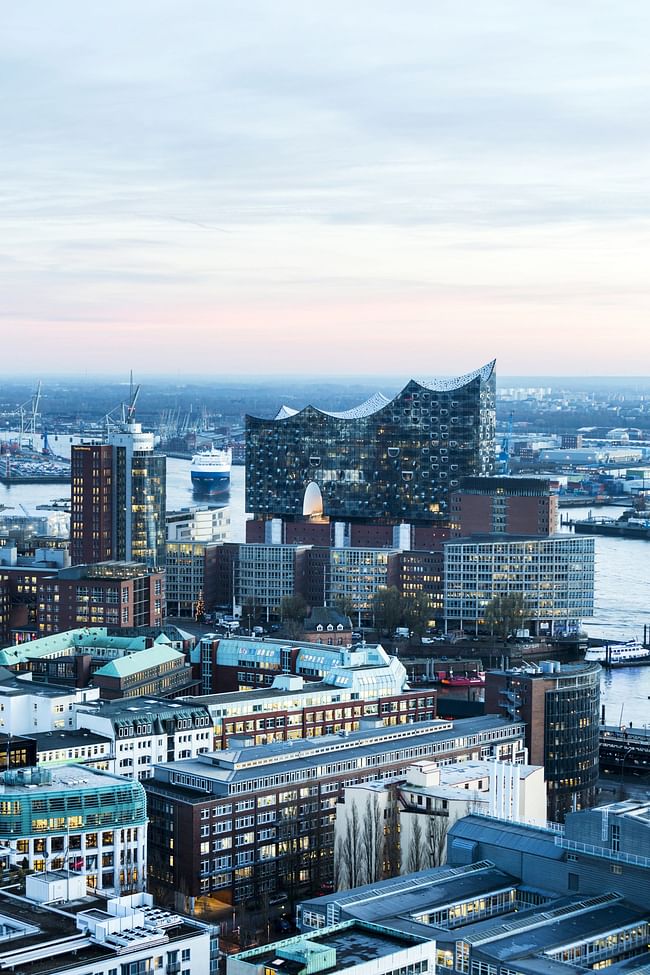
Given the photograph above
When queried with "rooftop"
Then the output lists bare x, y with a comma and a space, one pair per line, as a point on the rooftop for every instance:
354, 944
134, 663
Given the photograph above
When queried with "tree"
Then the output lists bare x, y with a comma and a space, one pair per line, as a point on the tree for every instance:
417, 852
349, 867
345, 606
417, 612
505, 613
373, 841
294, 608
392, 852
388, 606
436, 839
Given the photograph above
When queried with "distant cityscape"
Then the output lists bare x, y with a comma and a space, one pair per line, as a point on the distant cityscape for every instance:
369, 734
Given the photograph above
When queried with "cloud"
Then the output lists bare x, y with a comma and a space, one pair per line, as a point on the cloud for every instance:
161, 162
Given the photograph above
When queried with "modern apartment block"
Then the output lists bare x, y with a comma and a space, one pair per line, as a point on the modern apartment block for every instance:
114, 594
510, 505
118, 498
253, 819
560, 704
555, 576
393, 461
75, 817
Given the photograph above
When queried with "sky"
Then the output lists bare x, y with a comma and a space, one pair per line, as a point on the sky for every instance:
291, 186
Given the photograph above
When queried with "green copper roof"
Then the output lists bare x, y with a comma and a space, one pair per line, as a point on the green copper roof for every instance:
133, 663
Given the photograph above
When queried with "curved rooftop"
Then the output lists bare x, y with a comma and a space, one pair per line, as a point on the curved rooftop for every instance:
378, 401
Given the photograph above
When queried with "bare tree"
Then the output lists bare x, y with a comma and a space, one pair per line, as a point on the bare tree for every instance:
436, 840
349, 866
417, 851
373, 841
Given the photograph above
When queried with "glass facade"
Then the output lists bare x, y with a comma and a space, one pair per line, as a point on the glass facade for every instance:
393, 460
555, 575
571, 741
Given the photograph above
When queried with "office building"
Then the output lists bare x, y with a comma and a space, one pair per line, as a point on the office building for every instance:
517, 899
151, 663
419, 811
555, 576
145, 730
75, 817
59, 928
113, 594
260, 818
392, 461
560, 704
194, 537
250, 663
118, 498
504, 505
292, 708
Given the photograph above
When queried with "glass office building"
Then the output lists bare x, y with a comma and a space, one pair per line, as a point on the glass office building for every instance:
390, 460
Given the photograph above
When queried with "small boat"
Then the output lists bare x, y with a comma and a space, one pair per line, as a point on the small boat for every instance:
474, 678
210, 471
630, 654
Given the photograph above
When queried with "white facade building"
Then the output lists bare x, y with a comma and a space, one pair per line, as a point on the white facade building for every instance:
27, 708
424, 805
145, 731
127, 935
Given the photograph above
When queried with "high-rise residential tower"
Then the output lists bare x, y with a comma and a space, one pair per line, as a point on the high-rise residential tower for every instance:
118, 499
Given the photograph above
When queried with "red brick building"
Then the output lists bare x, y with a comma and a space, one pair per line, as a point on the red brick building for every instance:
113, 594
508, 505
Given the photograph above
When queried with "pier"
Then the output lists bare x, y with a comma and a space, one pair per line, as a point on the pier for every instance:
624, 751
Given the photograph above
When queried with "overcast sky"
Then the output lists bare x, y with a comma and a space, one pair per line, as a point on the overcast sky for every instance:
343, 187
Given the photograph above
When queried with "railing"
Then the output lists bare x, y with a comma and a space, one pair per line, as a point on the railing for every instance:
601, 851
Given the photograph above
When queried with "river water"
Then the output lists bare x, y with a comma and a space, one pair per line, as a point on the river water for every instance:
622, 586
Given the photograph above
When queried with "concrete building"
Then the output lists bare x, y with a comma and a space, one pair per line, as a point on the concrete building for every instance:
190, 579
84, 934
555, 576
194, 535
28, 708
198, 523
75, 817
508, 915
352, 947
504, 505
421, 809
253, 819
560, 704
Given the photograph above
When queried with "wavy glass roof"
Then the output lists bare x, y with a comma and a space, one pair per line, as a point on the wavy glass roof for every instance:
378, 401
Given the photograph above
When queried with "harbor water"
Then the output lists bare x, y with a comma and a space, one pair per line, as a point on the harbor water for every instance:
622, 587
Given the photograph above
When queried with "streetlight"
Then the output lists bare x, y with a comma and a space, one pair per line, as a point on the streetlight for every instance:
625, 754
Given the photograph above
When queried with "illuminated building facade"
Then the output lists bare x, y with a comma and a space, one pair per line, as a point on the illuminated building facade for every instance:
393, 461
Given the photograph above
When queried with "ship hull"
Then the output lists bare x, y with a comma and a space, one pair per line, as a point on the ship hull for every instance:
210, 485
